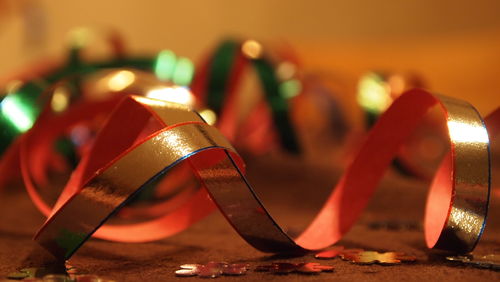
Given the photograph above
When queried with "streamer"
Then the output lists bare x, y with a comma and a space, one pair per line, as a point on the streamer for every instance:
217, 82
112, 175
24, 101
36, 152
420, 157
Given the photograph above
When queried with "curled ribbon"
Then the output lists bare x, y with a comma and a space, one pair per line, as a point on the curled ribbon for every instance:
120, 163
36, 150
217, 82
21, 107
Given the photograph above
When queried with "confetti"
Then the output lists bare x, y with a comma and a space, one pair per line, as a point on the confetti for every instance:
25, 273
278, 267
212, 269
459, 258
371, 257
18, 275
36, 274
287, 267
314, 267
491, 261
236, 269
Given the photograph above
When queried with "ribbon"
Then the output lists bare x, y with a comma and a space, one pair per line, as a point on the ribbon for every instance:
22, 104
112, 175
217, 82
37, 150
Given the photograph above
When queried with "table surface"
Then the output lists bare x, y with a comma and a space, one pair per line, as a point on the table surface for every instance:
293, 192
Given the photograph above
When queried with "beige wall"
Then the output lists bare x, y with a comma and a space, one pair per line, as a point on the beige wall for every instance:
454, 44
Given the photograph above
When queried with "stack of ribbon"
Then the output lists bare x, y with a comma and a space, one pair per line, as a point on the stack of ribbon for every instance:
135, 131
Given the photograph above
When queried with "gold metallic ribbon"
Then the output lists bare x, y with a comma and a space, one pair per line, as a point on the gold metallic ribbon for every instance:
119, 165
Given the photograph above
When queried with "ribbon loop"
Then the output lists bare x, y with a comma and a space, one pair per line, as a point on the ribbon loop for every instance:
455, 214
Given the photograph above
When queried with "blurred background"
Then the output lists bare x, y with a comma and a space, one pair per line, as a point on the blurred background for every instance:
453, 44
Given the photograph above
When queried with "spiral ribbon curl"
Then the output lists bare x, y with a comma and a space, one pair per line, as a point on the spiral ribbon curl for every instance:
36, 150
111, 175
